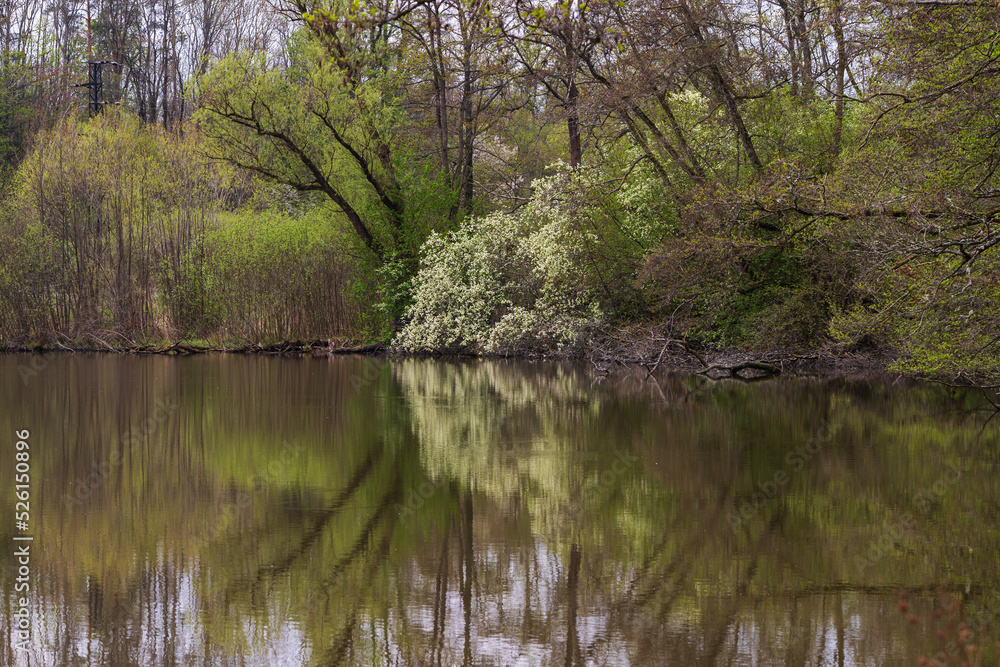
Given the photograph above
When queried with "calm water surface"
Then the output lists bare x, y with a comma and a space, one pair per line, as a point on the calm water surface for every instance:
261, 511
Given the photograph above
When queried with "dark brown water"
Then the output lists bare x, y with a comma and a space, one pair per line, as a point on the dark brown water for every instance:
259, 511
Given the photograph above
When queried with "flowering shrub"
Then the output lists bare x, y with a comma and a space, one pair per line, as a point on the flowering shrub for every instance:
506, 283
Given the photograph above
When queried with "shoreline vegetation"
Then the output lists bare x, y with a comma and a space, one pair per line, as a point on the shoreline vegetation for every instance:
695, 185
638, 353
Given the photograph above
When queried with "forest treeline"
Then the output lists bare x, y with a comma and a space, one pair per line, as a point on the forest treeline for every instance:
505, 177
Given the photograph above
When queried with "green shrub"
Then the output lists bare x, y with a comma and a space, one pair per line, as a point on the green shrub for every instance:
26, 267
752, 290
948, 326
265, 276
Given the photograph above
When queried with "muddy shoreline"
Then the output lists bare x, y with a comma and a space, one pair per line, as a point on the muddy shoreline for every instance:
645, 354
605, 353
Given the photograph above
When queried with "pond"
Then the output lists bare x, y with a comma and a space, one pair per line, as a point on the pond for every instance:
228, 510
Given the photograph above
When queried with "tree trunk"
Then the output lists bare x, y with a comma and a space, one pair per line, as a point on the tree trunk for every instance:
723, 89
838, 109
572, 95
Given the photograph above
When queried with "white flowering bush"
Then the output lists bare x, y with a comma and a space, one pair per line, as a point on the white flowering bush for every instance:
506, 283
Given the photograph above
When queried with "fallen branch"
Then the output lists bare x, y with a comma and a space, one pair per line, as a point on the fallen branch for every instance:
650, 368
734, 372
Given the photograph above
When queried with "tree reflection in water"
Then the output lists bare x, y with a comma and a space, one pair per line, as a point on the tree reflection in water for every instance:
486, 512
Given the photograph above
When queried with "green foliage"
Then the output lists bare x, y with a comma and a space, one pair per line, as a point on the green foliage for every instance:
787, 308
756, 288
953, 322
394, 278
27, 259
266, 276
109, 198
319, 126
119, 227
14, 112
388, 284
799, 129
748, 264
